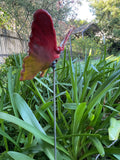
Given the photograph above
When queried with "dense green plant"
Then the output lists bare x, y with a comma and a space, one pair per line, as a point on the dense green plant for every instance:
87, 98
81, 46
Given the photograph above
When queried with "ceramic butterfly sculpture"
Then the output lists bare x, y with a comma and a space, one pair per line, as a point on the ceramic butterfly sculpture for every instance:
43, 48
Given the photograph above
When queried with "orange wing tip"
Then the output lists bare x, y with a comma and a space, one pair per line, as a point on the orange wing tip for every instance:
26, 73
21, 78
31, 66
22, 73
25, 76
43, 73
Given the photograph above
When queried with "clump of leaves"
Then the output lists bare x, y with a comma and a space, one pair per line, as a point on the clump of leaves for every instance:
87, 98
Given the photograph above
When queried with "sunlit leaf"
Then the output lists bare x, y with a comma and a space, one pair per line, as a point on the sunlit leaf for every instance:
114, 129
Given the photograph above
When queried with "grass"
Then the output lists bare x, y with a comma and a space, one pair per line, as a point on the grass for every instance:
88, 97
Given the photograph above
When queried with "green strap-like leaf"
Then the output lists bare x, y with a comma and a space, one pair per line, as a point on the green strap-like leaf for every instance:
19, 156
25, 112
98, 145
8, 137
35, 131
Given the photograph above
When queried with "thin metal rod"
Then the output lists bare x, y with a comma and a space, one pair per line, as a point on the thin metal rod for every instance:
54, 99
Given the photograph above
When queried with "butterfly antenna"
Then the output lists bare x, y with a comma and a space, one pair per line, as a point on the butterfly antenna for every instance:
66, 38
54, 99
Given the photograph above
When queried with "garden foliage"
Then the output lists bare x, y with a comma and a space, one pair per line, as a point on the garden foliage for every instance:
88, 110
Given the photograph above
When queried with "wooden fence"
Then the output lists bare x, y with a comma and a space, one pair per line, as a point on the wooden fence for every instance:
10, 43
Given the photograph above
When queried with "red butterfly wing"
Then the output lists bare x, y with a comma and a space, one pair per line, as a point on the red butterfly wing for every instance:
42, 46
